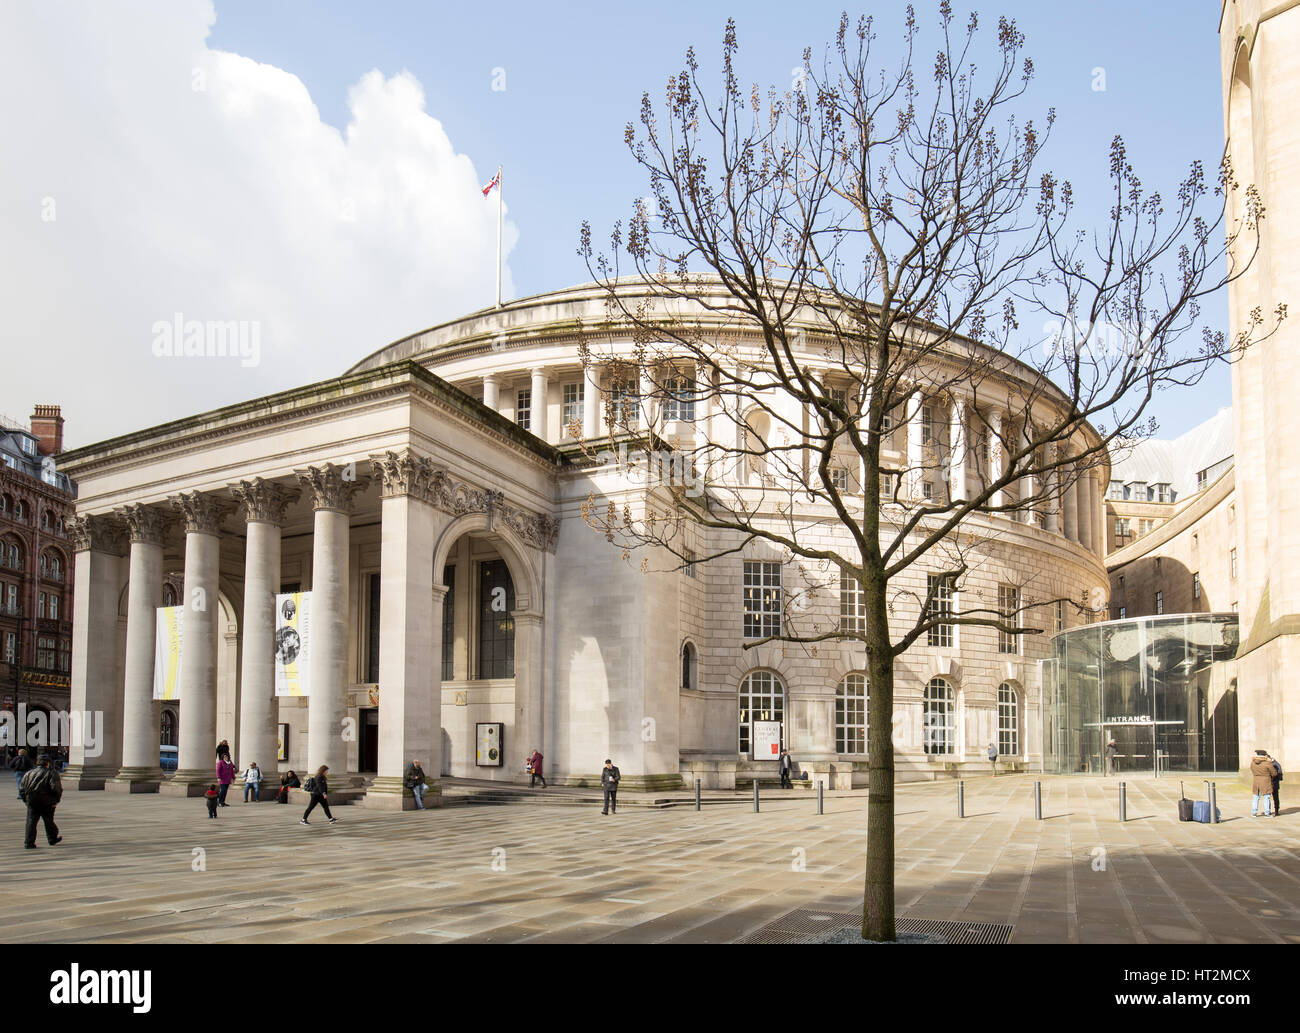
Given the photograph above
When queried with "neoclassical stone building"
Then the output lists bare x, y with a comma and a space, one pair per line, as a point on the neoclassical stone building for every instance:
432, 499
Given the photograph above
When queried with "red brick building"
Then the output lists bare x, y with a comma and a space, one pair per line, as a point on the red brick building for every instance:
36, 564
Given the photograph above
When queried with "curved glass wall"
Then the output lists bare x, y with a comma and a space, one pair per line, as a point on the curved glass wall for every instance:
1153, 685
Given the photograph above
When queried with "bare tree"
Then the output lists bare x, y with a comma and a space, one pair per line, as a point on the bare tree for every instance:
823, 267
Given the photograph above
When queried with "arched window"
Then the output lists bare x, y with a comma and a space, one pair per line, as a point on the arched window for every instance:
762, 698
1008, 721
20, 511
12, 555
4, 504
851, 714
939, 718
47, 521
690, 666
169, 599
168, 736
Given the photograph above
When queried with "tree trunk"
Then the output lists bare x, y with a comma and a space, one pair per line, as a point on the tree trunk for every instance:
878, 891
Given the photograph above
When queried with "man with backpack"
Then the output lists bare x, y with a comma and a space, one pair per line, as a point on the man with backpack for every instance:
41, 789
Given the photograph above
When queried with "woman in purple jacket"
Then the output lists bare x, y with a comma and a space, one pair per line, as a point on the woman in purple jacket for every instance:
225, 775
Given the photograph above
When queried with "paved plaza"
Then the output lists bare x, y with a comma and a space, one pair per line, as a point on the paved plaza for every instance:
157, 869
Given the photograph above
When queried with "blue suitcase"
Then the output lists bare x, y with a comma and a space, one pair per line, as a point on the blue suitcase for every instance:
1201, 811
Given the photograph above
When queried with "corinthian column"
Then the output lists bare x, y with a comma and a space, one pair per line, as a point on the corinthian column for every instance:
410, 631
140, 772
96, 692
330, 489
264, 503
199, 633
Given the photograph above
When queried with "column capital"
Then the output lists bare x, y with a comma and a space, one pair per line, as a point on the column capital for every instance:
98, 533
332, 486
264, 501
405, 473
201, 512
147, 525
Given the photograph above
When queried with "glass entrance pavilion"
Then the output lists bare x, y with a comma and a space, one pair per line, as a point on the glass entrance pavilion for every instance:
1155, 686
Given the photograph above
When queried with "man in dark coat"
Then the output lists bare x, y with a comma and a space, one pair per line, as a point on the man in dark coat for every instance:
786, 765
609, 777
41, 789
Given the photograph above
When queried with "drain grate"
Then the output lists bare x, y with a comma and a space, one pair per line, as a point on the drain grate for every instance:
800, 925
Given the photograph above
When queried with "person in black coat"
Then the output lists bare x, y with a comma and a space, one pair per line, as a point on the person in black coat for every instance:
319, 795
786, 765
609, 777
289, 780
41, 790
20, 765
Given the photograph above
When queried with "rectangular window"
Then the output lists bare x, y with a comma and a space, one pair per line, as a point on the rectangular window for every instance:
1008, 607
54, 607
927, 490
1123, 612
762, 598
1196, 585
888, 484
688, 562
11, 647
679, 405
1232, 561
840, 479
927, 425
372, 632
45, 652
1202, 479
11, 602
1117, 490
572, 409
853, 609
496, 625
1160, 602
449, 624
1060, 615
940, 607
524, 409
40, 606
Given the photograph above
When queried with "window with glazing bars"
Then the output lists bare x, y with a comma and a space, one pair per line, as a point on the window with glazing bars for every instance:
762, 598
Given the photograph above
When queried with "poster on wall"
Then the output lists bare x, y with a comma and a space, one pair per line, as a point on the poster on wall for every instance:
293, 644
168, 638
490, 736
282, 742
767, 740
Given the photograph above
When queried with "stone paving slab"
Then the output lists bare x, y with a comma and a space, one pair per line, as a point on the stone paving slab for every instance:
142, 868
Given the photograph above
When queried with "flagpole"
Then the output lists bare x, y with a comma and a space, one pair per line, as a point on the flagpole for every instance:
500, 216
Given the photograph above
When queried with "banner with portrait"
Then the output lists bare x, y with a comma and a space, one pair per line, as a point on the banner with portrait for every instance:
168, 639
293, 644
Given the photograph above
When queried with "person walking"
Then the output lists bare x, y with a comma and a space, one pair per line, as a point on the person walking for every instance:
211, 797
786, 765
20, 765
253, 781
289, 780
41, 789
993, 758
535, 769
1261, 776
1111, 751
1277, 779
223, 749
319, 788
609, 777
415, 782
225, 775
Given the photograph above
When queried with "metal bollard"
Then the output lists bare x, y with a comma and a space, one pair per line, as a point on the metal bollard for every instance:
961, 798
1214, 804
755, 794
1123, 802
697, 794
1038, 801
820, 787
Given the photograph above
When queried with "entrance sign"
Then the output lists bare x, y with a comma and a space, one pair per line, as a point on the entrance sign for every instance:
767, 740
490, 737
167, 641
293, 644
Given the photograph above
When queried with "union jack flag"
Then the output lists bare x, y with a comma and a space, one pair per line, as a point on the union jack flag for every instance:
495, 181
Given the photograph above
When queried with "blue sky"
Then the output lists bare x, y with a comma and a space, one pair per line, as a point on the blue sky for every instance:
311, 170
574, 77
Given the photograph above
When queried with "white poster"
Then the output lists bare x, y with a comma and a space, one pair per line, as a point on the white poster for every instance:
293, 644
767, 740
167, 641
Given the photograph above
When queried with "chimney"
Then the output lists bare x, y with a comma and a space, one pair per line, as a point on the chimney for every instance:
47, 427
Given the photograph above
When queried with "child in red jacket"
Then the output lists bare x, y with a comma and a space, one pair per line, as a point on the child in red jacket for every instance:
211, 796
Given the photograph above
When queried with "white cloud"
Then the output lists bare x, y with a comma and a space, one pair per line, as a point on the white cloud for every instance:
188, 180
